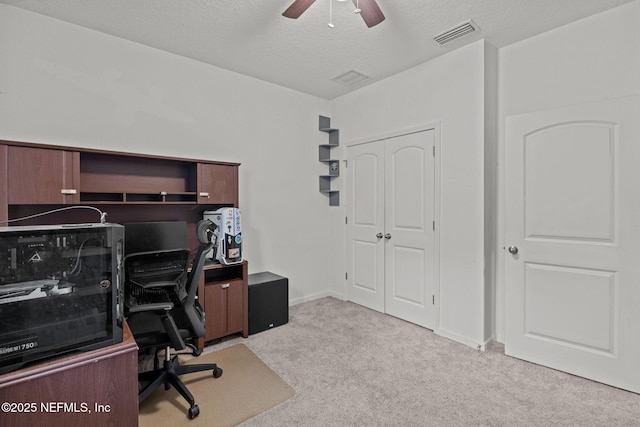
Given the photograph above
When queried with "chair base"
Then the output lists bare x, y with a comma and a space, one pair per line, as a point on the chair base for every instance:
169, 375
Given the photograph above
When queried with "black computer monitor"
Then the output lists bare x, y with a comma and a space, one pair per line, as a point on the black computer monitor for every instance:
154, 236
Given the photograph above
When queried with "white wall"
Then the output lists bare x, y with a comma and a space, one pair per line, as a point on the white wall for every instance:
63, 84
449, 91
593, 59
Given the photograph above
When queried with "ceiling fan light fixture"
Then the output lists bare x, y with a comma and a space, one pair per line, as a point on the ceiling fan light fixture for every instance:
330, 24
370, 11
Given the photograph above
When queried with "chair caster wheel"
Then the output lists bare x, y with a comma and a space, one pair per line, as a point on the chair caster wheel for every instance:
194, 411
195, 351
217, 373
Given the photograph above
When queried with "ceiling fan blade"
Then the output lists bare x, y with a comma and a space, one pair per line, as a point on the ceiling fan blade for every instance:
297, 8
370, 12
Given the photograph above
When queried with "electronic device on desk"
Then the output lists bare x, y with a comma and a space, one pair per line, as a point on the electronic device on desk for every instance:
59, 291
227, 236
154, 236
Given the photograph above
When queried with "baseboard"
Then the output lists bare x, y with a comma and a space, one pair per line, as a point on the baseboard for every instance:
488, 342
481, 346
319, 295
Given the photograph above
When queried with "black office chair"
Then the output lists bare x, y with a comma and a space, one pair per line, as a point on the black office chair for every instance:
163, 312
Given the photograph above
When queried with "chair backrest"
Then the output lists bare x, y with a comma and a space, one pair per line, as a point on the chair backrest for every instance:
191, 307
177, 287
155, 276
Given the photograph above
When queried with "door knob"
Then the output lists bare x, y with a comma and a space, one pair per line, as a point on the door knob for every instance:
379, 235
513, 250
387, 236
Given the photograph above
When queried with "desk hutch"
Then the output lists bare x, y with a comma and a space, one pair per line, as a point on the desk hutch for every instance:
36, 178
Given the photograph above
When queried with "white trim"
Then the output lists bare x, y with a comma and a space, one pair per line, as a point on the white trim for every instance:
436, 217
463, 340
436, 127
313, 297
395, 133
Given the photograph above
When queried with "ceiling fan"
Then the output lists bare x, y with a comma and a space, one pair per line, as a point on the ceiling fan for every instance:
368, 9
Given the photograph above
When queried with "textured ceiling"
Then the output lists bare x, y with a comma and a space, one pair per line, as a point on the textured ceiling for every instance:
253, 38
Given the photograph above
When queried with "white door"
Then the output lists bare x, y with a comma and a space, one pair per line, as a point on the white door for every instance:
391, 226
365, 225
573, 230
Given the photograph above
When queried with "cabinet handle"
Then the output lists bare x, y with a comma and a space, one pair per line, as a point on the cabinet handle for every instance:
68, 191
204, 194
225, 285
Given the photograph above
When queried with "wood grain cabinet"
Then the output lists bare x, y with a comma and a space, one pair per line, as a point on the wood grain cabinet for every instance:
42, 176
99, 388
225, 298
224, 308
217, 184
129, 187
119, 178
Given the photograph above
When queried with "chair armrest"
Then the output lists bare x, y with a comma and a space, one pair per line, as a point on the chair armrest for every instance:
152, 285
172, 330
138, 308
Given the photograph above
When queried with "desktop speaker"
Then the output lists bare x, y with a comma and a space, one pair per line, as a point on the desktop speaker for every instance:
268, 301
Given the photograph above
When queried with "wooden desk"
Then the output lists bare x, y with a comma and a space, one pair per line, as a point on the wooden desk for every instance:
96, 388
130, 187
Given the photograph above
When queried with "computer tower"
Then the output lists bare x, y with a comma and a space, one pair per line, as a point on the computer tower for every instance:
60, 291
268, 301
227, 236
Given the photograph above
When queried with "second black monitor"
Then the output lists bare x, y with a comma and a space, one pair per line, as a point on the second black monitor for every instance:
154, 236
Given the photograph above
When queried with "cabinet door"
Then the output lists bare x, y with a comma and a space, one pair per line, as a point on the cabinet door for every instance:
235, 313
217, 184
42, 176
215, 311
223, 308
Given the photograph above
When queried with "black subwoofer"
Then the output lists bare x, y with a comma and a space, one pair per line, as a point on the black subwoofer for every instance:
268, 301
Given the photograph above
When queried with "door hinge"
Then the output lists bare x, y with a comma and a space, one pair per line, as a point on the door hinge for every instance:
345, 163
434, 151
346, 276
433, 299
346, 220
434, 226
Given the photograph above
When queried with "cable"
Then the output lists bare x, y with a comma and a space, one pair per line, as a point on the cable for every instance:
103, 215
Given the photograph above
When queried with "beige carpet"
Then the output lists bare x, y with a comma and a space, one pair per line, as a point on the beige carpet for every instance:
246, 388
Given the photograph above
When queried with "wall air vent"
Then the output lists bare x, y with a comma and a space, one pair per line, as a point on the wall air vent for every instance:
456, 32
350, 78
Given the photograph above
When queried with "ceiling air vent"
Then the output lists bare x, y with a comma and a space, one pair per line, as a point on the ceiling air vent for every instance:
350, 78
456, 32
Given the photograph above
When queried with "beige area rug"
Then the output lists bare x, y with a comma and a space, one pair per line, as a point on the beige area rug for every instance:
246, 388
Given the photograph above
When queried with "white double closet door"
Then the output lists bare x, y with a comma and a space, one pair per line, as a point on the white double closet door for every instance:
390, 226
